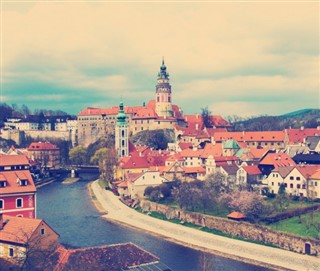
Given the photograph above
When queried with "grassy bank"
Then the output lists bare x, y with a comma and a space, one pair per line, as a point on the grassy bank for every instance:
299, 226
205, 229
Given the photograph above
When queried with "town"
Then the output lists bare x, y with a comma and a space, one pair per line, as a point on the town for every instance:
198, 165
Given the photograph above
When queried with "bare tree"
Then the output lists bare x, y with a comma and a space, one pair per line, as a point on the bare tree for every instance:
35, 248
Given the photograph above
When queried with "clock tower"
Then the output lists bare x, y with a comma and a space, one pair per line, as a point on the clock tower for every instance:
163, 93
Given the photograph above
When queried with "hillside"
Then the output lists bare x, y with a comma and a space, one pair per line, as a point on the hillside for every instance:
308, 118
157, 139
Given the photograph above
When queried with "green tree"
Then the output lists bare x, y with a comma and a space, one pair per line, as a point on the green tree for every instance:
282, 200
106, 159
78, 155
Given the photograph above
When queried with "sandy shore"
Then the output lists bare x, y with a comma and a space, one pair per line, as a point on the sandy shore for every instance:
277, 259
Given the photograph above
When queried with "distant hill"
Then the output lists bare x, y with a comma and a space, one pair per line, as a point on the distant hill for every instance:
308, 118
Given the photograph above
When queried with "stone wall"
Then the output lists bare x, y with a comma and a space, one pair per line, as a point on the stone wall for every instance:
65, 135
242, 229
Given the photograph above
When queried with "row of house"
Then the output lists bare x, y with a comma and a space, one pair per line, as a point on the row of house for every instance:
243, 163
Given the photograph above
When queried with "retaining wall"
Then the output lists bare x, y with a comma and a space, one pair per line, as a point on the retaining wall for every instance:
242, 229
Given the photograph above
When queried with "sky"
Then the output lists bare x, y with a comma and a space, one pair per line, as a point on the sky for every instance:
238, 58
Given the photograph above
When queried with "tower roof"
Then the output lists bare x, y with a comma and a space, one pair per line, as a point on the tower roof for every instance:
121, 117
163, 74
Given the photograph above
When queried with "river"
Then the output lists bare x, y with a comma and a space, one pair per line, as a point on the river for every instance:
69, 210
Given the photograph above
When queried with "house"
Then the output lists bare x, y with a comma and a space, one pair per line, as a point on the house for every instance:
309, 158
313, 143
22, 237
230, 171
298, 136
138, 184
46, 153
294, 178
314, 185
17, 189
274, 160
249, 176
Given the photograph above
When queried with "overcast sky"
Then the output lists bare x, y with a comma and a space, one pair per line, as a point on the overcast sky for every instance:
237, 58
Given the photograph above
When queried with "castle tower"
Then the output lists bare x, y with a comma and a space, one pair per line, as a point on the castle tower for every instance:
122, 134
163, 93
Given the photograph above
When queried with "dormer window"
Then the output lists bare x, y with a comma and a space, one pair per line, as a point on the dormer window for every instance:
23, 182
3, 183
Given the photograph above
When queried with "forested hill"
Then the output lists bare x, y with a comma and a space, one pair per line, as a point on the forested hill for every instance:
308, 118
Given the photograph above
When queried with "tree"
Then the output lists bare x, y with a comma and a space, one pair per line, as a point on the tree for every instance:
206, 117
78, 155
251, 204
106, 159
33, 254
282, 200
217, 182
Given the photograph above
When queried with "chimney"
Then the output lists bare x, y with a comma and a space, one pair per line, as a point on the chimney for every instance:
197, 115
1, 221
197, 126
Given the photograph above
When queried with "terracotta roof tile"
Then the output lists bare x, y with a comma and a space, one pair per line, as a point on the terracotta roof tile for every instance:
252, 170
41, 146
13, 160
13, 186
18, 229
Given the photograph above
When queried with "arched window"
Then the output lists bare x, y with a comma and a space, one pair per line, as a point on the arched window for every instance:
122, 132
19, 203
123, 152
122, 142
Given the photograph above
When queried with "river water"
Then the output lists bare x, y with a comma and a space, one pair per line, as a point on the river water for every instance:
68, 209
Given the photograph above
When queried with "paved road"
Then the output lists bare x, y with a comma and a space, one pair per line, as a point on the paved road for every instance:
234, 248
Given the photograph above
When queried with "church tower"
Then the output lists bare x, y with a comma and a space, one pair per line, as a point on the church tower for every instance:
163, 93
122, 134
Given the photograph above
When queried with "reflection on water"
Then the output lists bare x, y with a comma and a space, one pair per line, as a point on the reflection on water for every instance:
68, 209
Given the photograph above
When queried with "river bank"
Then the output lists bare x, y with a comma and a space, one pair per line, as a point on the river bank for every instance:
276, 259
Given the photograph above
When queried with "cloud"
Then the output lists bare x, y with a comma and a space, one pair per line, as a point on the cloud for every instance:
240, 53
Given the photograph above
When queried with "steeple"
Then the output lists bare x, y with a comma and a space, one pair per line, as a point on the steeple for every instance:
163, 93
122, 135
163, 74
121, 117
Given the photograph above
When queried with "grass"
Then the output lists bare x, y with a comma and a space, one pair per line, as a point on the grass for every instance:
205, 229
102, 183
293, 225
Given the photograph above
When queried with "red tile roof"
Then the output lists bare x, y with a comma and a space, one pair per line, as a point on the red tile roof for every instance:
191, 153
315, 175
236, 215
134, 162
252, 170
13, 160
185, 145
212, 149
299, 135
18, 229
112, 257
277, 160
13, 186
268, 136
145, 113
42, 146
194, 170
308, 170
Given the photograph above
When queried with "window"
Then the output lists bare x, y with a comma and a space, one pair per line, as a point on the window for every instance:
123, 153
285, 185
1, 250
291, 178
23, 182
291, 185
298, 186
298, 178
122, 143
42, 231
1, 204
11, 252
122, 132
19, 203
315, 183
